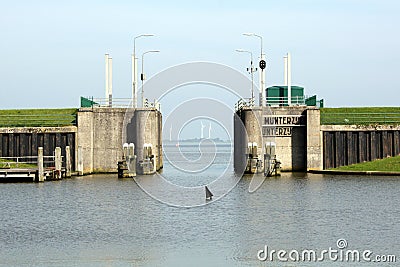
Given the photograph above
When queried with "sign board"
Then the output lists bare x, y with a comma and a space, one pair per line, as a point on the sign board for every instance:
281, 125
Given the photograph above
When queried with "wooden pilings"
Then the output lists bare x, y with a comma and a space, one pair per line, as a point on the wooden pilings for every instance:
341, 148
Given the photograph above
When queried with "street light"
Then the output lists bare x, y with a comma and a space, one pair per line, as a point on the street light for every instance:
142, 76
134, 69
256, 35
251, 71
262, 73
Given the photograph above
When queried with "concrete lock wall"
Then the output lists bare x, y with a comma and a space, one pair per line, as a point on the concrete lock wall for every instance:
100, 134
295, 130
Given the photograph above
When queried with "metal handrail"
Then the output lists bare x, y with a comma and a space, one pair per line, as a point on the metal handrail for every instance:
119, 103
108, 103
244, 102
295, 100
18, 161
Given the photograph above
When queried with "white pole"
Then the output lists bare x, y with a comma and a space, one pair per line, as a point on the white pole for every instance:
262, 83
136, 80
57, 162
285, 78
107, 75
40, 165
143, 76
110, 81
134, 70
289, 79
133, 81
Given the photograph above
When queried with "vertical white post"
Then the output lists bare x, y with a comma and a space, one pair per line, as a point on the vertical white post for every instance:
110, 81
67, 162
58, 162
107, 75
285, 62
262, 83
80, 161
289, 79
40, 165
134, 81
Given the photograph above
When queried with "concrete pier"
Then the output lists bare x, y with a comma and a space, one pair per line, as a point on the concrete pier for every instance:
294, 129
103, 131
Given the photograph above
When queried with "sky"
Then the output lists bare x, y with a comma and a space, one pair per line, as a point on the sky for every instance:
344, 51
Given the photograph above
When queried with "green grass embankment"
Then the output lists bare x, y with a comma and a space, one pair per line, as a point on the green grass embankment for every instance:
391, 164
38, 117
360, 116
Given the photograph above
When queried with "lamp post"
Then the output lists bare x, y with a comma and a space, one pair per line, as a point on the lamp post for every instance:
251, 71
134, 70
142, 76
262, 73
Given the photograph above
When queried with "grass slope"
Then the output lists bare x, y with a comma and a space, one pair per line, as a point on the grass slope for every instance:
361, 115
37, 117
391, 164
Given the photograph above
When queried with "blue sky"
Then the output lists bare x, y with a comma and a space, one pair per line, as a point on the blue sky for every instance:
345, 51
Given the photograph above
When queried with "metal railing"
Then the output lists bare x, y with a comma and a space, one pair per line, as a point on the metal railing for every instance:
106, 102
8, 162
244, 102
115, 103
360, 118
283, 101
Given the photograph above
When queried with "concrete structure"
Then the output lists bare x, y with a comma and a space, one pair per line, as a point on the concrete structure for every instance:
303, 144
144, 126
295, 130
103, 131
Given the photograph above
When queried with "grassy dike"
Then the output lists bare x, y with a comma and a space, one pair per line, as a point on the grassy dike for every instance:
391, 164
360, 115
38, 117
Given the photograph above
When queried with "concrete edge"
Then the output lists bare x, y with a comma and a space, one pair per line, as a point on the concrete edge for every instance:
369, 173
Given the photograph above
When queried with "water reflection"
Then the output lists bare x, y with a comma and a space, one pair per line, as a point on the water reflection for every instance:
100, 220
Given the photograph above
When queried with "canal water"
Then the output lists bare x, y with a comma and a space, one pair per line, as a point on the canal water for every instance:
100, 220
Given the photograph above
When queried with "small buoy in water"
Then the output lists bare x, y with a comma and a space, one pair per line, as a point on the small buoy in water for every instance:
209, 195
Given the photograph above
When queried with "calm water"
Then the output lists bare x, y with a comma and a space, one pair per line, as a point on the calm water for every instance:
100, 220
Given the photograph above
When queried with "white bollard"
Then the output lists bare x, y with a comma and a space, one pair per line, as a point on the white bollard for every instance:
40, 165
80, 161
58, 162
67, 162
